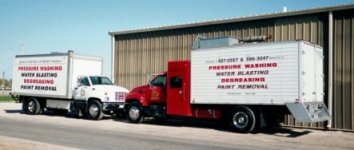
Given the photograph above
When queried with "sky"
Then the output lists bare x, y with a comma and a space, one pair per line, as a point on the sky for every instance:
45, 26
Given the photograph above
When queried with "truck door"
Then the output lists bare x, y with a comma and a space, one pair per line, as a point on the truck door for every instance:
178, 88
81, 91
158, 89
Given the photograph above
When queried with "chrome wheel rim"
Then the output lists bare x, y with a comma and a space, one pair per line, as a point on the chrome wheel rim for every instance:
31, 106
93, 110
240, 120
134, 113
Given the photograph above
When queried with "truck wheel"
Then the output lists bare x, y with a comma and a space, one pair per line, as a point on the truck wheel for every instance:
24, 106
94, 110
135, 113
33, 106
242, 119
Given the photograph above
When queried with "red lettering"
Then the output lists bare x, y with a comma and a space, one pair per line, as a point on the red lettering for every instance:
51, 68
28, 68
224, 67
233, 80
261, 65
39, 81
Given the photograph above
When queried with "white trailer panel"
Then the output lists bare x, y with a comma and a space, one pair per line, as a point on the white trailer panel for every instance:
42, 75
52, 75
265, 73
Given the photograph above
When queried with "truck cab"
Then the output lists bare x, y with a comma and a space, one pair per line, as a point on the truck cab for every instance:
98, 95
148, 100
152, 93
166, 94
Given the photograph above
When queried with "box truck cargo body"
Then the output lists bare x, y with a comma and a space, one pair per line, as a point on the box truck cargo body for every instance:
248, 84
65, 81
264, 73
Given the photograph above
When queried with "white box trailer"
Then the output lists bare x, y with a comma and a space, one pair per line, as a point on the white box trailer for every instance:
278, 73
65, 81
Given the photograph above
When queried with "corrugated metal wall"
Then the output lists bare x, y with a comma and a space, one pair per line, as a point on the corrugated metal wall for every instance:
140, 54
343, 114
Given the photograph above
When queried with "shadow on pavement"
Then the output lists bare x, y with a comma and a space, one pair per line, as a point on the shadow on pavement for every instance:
13, 111
52, 113
220, 126
286, 132
70, 115
184, 122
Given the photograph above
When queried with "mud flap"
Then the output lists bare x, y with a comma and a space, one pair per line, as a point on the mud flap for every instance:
309, 111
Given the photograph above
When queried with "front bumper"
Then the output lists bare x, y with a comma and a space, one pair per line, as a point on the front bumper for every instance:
115, 106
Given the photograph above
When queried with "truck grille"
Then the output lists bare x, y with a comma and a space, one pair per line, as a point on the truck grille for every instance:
120, 96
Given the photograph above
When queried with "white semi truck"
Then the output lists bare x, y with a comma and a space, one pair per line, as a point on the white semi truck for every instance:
63, 82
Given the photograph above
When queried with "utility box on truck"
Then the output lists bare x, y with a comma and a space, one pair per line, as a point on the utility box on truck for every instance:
65, 81
276, 73
266, 74
247, 83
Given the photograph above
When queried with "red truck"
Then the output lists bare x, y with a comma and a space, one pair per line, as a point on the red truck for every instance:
247, 84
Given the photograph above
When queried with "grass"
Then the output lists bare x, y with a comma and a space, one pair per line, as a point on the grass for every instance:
6, 98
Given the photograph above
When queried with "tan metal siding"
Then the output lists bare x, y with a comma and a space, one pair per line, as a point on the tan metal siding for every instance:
343, 70
155, 49
141, 54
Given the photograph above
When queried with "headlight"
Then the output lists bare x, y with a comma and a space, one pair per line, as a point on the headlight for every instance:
106, 98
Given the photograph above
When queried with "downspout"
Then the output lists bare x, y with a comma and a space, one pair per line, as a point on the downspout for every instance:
330, 67
113, 40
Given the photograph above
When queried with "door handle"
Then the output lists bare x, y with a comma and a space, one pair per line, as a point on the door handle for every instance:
180, 92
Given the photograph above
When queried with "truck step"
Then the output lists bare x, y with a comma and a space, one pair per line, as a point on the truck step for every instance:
309, 111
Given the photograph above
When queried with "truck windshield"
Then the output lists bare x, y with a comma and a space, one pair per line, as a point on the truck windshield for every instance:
159, 81
100, 80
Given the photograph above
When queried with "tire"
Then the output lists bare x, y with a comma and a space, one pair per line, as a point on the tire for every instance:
242, 119
135, 113
94, 110
24, 106
32, 106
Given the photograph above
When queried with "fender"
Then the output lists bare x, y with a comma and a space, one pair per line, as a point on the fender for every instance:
132, 96
97, 98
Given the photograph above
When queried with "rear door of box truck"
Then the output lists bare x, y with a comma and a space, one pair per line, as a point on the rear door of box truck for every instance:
310, 107
312, 75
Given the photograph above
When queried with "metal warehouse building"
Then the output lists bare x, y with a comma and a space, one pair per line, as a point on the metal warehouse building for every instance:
137, 53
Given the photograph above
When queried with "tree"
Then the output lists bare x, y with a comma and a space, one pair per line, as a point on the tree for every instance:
9, 83
6, 83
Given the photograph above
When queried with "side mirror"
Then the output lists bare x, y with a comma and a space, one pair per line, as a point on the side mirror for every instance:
78, 84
